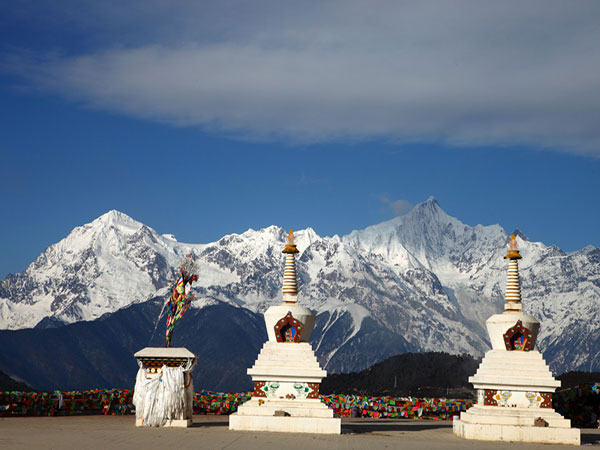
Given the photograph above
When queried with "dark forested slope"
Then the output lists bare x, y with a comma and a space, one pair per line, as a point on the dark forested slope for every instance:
432, 374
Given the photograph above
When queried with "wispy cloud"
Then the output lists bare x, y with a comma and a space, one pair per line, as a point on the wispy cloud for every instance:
307, 179
398, 206
455, 73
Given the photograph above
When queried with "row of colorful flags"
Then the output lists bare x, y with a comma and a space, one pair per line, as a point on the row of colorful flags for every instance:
571, 403
119, 401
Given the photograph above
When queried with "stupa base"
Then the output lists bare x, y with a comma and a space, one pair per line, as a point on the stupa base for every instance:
316, 425
492, 423
288, 416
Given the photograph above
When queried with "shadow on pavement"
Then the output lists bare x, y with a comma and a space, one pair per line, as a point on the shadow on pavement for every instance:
211, 424
383, 426
589, 437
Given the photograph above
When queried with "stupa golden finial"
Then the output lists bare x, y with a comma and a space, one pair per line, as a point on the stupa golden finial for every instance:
290, 246
513, 252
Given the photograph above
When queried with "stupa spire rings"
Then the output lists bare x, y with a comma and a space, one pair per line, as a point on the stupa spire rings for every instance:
513, 282
290, 281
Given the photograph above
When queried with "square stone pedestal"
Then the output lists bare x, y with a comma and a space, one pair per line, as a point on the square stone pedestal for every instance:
170, 400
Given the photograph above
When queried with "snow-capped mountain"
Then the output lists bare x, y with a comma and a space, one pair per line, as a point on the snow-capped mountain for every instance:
423, 281
99, 268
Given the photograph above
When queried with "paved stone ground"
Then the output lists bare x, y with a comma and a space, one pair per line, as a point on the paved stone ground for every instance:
211, 432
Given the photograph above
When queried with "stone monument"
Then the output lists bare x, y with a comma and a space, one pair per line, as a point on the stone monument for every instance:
286, 374
514, 385
164, 391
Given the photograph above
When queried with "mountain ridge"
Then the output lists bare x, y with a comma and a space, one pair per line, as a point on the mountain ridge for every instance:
423, 281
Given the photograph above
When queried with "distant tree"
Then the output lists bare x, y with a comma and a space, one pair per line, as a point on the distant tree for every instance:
433, 374
569, 379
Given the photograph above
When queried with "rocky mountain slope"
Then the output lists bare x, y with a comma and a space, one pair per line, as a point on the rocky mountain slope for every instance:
423, 281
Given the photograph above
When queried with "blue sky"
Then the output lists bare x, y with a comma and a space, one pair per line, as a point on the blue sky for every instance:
207, 118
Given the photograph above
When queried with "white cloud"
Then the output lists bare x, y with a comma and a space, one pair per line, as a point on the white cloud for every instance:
456, 73
398, 206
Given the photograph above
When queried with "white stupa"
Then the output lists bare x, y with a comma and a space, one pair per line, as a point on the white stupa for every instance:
514, 385
286, 374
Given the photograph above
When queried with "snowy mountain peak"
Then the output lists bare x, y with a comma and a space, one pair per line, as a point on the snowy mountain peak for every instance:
426, 237
519, 234
429, 212
99, 267
432, 204
116, 218
419, 219
113, 213
304, 238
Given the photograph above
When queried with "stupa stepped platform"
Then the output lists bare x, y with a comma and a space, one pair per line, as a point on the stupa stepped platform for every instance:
296, 360
293, 351
514, 416
292, 424
516, 425
277, 373
514, 370
297, 408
